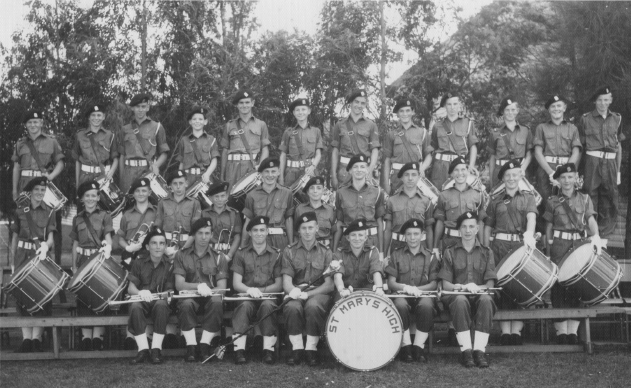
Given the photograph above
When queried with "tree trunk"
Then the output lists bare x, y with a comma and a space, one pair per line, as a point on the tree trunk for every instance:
143, 60
382, 71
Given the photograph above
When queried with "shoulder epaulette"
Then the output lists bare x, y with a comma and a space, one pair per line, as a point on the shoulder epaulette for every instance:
293, 243
584, 114
615, 113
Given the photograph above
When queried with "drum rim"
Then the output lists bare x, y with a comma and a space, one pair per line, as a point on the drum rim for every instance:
574, 278
521, 264
89, 274
545, 288
605, 294
49, 296
114, 295
233, 188
372, 294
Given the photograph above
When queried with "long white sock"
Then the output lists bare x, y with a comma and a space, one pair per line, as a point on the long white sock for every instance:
572, 326
296, 342
481, 339
189, 336
312, 342
37, 333
207, 337
86, 333
98, 332
156, 343
141, 341
406, 340
269, 341
505, 327
27, 333
239, 343
171, 328
420, 338
516, 327
561, 327
464, 339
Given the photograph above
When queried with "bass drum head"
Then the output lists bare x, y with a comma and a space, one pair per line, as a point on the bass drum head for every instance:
509, 263
364, 331
574, 261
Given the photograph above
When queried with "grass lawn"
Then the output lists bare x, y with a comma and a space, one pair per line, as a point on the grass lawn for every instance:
605, 369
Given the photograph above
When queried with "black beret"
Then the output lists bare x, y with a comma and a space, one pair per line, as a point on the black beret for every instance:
600, 92
37, 181
306, 217
175, 175
553, 99
455, 162
356, 159
354, 94
241, 94
466, 216
33, 114
154, 231
569, 167
141, 98
87, 186
95, 108
298, 102
316, 180
195, 111
515, 163
505, 102
201, 223
407, 166
258, 220
358, 224
412, 223
269, 163
217, 187
402, 103
446, 97
140, 182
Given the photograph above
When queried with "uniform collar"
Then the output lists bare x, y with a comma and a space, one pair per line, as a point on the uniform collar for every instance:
400, 191
165, 259
268, 248
562, 122
28, 136
192, 135
42, 205
96, 210
505, 127
401, 128
297, 126
423, 250
300, 244
362, 117
476, 245
88, 130
277, 186
250, 119
352, 187
596, 114
348, 248
134, 122
149, 206
519, 192
172, 197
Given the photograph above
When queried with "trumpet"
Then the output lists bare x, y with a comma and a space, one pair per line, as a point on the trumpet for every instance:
135, 298
524, 185
141, 232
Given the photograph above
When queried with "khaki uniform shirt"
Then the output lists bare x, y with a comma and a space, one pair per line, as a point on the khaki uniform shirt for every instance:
304, 265
462, 267
257, 270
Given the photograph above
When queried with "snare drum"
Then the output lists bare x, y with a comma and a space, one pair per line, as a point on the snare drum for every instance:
53, 197
589, 275
35, 283
240, 189
364, 331
198, 191
159, 188
112, 198
525, 275
98, 282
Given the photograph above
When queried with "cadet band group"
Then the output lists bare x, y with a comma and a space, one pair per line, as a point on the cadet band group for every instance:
429, 233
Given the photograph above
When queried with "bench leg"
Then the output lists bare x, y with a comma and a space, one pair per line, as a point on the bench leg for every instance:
56, 341
588, 338
430, 340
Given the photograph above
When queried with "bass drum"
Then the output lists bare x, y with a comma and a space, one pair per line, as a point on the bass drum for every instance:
590, 275
242, 188
364, 331
525, 275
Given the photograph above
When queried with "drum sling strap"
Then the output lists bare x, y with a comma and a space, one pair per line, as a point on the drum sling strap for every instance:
513, 218
408, 147
353, 137
451, 135
198, 155
32, 227
297, 135
511, 153
93, 234
571, 214
34, 154
244, 140
141, 140
90, 136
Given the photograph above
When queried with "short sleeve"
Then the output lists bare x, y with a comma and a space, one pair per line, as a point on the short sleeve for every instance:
374, 136
284, 142
161, 140
335, 135
214, 148
375, 264
489, 273
287, 266
439, 211
238, 265
108, 226
548, 215
264, 135
446, 272
538, 139
318, 144
388, 145
74, 234
472, 139
178, 264
225, 137
434, 266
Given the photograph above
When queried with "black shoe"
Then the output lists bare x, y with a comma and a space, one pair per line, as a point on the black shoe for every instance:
239, 357
214, 342
506, 340
141, 357
451, 338
156, 356
467, 359
37, 345
170, 341
572, 339
26, 347
268, 357
204, 351
190, 353
129, 344
97, 344
516, 339
295, 357
86, 344
562, 339
420, 354
480, 359
312, 358
405, 354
